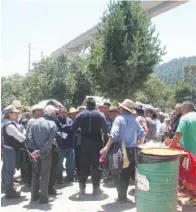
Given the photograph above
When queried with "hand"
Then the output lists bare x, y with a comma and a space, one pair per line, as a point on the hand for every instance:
104, 150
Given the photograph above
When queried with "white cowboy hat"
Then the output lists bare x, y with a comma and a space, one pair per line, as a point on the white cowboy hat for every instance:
37, 107
153, 109
128, 105
72, 110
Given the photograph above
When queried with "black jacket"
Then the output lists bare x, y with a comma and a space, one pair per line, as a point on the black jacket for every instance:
10, 140
92, 125
64, 126
175, 125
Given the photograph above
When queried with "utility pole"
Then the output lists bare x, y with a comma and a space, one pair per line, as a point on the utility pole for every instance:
29, 60
42, 55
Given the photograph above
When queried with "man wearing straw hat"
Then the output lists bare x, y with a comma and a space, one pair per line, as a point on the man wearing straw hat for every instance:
126, 129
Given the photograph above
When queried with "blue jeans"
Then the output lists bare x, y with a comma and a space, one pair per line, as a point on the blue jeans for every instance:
9, 163
70, 163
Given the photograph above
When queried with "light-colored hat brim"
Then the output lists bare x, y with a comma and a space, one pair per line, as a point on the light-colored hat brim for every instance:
153, 110
70, 112
131, 110
15, 111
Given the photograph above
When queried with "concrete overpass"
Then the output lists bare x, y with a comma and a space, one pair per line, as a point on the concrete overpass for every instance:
154, 8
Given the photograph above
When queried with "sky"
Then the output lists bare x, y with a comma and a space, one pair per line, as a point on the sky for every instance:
49, 24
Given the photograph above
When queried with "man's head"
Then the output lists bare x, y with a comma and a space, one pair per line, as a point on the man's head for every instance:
72, 113
187, 107
63, 112
106, 107
50, 111
113, 112
11, 113
81, 109
127, 106
91, 103
178, 109
37, 111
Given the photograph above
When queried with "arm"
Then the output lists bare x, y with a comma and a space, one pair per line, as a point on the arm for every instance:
140, 134
114, 135
76, 124
13, 131
104, 128
180, 131
30, 136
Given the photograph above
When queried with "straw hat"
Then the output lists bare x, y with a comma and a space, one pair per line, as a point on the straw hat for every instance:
10, 109
153, 109
37, 107
72, 110
81, 108
16, 103
113, 109
128, 105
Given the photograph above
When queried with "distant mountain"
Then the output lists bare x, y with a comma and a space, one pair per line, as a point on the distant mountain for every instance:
173, 71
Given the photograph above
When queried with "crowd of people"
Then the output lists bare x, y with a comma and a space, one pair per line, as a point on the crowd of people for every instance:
39, 140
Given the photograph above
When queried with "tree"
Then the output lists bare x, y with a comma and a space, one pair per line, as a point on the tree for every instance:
155, 92
61, 78
190, 74
11, 89
184, 91
125, 50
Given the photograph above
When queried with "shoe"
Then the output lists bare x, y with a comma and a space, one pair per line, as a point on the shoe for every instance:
58, 181
122, 200
34, 199
97, 191
70, 180
82, 192
13, 195
43, 201
52, 191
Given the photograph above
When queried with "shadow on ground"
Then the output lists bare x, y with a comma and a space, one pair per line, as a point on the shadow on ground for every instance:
87, 197
118, 207
38, 206
7, 202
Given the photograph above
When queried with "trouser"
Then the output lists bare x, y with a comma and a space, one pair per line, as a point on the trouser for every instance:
122, 181
8, 170
77, 158
70, 163
41, 175
89, 160
54, 164
24, 160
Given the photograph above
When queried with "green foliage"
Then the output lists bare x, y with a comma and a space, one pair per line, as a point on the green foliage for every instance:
190, 74
155, 92
176, 70
184, 91
62, 79
125, 50
11, 89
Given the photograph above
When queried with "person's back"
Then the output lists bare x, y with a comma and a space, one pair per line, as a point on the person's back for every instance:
91, 123
188, 129
43, 132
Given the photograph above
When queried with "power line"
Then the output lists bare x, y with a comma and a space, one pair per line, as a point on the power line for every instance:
29, 60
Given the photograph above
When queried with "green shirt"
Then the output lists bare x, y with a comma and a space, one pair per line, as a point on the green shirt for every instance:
187, 127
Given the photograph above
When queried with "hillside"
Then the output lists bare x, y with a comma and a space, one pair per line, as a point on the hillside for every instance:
173, 71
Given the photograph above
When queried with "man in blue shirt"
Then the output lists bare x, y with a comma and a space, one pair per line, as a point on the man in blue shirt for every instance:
126, 128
